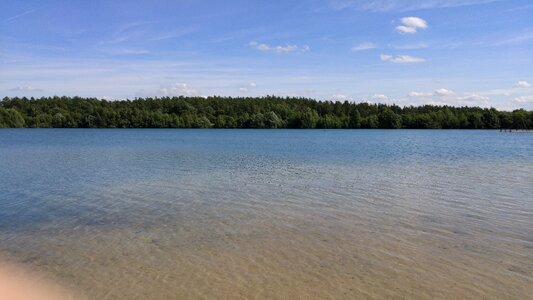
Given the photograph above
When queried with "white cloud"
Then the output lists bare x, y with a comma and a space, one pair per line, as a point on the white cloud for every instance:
25, 89
415, 22
439, 93
107, 98
363, 46
279, 49
405, 29
522, 84
444, 93
402, 5
295, 93
524, 99
379, 97
419, 94
473, 98
245, 89
179, 89
382, 98
411, 25
401, 59
341, 98
447, 97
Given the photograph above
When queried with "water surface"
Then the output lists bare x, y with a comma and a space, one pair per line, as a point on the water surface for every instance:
271, 214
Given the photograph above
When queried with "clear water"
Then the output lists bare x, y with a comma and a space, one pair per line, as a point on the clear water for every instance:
255, 214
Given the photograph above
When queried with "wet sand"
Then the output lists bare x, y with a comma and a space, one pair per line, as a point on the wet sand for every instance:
19, 283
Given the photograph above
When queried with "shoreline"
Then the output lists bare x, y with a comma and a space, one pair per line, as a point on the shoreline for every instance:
20, 282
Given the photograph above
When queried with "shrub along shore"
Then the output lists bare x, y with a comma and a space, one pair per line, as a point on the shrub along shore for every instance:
263, 112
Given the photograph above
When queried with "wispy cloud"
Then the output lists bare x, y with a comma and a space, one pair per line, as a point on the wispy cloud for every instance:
402, 59
132, 38
172, 34
363, 47
25, 89
20, 15
402, 5
518, 88
125, 51
410, 46
516, 39
523, 7
126, 32
279, 49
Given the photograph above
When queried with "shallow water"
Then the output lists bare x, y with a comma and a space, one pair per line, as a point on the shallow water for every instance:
271, 214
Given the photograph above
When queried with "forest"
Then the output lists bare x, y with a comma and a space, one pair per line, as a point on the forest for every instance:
262, 112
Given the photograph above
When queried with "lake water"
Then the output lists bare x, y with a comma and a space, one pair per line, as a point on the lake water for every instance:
271, 214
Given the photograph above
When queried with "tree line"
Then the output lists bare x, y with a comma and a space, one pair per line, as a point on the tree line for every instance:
262, 112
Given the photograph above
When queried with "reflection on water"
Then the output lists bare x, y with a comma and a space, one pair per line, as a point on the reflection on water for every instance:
240, 214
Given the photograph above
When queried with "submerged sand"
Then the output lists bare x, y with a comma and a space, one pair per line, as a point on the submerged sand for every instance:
280, 262
264, 227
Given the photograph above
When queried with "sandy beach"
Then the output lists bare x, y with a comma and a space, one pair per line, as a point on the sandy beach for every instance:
19, 283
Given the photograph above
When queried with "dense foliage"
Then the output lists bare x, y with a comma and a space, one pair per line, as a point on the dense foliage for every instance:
265, 112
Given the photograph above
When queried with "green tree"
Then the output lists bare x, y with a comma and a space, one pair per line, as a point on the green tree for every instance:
309, 118
330, 121
490, 119
520, 119
475, 120
355, 119
10, 118
263, 112
202, 122
389, 119
58, 120
271, 120
371, 122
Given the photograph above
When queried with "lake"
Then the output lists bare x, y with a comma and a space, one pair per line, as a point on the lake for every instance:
271, 214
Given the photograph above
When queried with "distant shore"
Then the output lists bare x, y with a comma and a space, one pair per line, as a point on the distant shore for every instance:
260, 112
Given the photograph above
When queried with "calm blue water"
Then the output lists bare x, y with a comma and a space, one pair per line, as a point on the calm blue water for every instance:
63, 191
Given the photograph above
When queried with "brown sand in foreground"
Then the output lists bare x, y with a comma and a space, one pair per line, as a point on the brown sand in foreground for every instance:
17, 283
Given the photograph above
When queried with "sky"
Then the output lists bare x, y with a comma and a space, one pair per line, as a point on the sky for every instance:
406, 52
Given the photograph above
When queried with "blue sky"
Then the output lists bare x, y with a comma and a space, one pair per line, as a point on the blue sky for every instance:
409, 52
